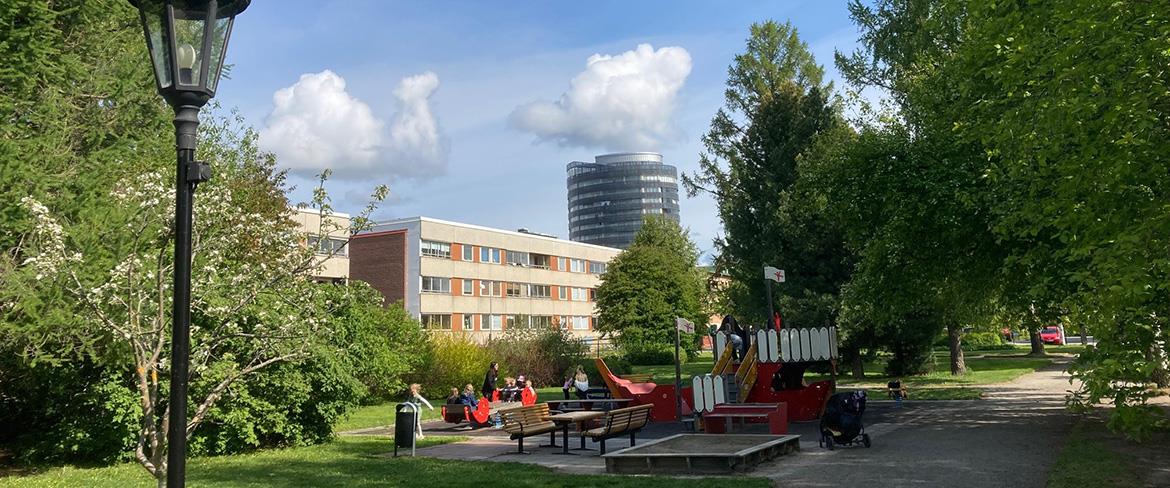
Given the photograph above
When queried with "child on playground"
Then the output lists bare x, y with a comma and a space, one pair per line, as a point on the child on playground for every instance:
454, 398
468, 397
510, 392
414, 397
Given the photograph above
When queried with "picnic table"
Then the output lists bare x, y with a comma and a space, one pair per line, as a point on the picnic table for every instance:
587, 403
580, 417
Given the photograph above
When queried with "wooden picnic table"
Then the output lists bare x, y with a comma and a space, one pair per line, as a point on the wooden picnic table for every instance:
579, 418
618, 402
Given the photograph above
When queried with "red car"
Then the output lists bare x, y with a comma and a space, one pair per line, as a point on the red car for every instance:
1052, 335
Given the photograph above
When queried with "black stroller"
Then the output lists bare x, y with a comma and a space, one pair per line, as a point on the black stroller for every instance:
841, 424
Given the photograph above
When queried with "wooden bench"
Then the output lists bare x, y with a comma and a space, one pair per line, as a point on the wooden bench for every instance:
527, 421
619, 422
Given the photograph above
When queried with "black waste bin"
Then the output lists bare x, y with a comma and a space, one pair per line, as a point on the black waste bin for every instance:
404, 419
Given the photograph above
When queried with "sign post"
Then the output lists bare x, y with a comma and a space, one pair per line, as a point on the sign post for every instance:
771, 274
680, 325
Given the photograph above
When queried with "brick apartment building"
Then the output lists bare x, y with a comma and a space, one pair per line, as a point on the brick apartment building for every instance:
479, 280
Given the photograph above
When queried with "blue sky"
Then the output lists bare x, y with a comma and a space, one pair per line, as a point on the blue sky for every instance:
437, 99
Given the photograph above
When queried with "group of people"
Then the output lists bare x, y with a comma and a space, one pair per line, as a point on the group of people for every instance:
513, 390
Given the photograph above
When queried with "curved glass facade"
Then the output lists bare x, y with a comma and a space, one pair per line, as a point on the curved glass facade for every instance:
609, 197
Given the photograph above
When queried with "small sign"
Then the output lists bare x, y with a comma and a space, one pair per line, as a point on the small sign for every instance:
774, 274
684, 325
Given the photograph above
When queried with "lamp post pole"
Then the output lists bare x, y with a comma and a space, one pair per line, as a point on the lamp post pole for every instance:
188, 173
187, 41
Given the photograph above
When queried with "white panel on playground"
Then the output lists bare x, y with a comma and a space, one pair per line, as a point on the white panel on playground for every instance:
708, 393
805, 346
833, 341
773, 347
719, 395
785, 346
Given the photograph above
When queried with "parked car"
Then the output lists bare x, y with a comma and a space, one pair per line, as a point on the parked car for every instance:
1052, 335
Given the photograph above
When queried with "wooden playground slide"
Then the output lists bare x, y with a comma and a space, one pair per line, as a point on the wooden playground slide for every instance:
724, 362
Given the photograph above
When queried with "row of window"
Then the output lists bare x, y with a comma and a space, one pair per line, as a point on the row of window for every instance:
329, 245
515, 258
489, 288
499, 322
623, 179
615, 193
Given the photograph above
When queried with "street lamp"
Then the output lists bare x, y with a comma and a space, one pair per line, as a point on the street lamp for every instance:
187, 40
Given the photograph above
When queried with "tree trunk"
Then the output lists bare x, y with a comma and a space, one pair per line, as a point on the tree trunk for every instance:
1084, 336
1037, 344
162, 482
1156, 355
857, 366
954, 336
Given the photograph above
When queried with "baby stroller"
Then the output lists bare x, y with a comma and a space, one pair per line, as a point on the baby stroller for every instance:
841, 423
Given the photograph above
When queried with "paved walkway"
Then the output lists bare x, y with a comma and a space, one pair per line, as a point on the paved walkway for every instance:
1010, 438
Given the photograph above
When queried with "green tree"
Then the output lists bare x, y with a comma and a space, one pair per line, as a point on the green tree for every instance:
646, 287
776, 105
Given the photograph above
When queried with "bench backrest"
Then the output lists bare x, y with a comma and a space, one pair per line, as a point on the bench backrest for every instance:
629, 418
517, 420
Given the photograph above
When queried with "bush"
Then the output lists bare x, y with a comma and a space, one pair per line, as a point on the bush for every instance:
451, 361
541, 355
982, 340
78, 412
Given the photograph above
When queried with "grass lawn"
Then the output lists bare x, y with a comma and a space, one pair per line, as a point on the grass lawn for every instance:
352, 462
1086, 460
378, 415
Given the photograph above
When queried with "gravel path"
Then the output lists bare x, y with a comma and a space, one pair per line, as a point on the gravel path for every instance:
1010, 438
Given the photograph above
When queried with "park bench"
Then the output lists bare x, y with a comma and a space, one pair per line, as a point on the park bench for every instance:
527, 421
619, 422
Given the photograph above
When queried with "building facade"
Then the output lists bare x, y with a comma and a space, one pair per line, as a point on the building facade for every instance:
329, 239
479, 280
609, 197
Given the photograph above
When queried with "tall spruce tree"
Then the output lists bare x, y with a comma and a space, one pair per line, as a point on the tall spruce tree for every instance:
777, 105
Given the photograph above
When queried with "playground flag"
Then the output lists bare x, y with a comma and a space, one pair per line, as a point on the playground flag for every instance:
774, 274
684, 325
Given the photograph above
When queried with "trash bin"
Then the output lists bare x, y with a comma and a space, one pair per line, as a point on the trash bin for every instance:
404, 419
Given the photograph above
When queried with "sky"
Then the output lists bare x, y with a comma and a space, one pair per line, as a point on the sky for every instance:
469, 111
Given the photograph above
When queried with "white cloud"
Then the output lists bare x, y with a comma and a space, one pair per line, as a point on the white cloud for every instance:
622, 102
315, 124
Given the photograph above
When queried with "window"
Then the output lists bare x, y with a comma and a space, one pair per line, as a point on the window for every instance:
563, 293
468, 252
489, 255
434, 284
596, 267
467, 287
593, 294
329, 245
435, 321
436, 249
514, 321
540, 321
491, 322
515, 289
541, 261
580, 323
489, 288
517, 258
579, 295
562, 264
467, 321
577, 265
538, 291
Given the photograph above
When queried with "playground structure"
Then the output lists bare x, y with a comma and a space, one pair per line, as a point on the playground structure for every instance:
770, 372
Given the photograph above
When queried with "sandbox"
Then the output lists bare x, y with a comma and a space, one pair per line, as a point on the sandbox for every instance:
701, 454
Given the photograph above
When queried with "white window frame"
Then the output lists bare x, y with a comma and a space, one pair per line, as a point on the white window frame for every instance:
434, 249
468, 253
468, 287
491, 321
424, 279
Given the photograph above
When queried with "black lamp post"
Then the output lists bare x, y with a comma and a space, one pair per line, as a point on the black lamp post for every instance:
187, 40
